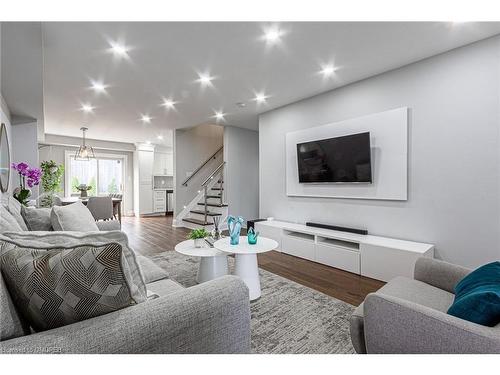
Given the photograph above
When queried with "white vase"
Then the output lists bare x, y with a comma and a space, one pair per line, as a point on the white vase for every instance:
199, 242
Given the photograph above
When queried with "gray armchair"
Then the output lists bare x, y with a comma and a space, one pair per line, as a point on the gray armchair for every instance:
409, 316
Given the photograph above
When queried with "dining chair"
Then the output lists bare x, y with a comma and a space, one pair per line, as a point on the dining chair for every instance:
101, 208
115, 207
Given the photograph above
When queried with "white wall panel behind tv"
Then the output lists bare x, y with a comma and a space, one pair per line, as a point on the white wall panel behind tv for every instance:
389, 153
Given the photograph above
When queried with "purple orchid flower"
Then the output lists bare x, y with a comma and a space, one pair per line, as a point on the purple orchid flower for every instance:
27, 177
22, 168
34, 175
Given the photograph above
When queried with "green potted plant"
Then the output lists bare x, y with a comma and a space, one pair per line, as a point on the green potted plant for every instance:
51, 181
198, 235
82, 188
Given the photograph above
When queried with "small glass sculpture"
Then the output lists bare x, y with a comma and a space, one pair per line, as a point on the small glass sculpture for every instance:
234, 225
252, 236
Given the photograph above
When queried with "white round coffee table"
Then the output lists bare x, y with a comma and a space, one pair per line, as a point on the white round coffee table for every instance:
246, 260
213, 263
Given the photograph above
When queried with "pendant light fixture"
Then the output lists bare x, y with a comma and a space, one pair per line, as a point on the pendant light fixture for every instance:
84, 153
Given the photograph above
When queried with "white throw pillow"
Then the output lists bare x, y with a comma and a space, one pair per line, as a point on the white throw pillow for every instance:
7, 222
14, 208
37, 219
73, 217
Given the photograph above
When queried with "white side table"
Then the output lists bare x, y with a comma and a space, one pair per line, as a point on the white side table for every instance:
246, 260
213, 263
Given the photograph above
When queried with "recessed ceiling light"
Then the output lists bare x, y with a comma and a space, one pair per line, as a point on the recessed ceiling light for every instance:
160, 137
146, 119
87, 108
119, 50
273, 35
260, 98
98, 87
168, 103
219, 115
241, 104
328, 70
205, 79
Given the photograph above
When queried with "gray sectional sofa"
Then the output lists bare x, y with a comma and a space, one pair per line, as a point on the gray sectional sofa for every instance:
213, 317
409, 316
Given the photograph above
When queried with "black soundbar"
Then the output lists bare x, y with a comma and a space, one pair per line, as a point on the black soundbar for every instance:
342, 229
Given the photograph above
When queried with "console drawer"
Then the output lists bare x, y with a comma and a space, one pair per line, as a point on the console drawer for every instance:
299, 247
338, 257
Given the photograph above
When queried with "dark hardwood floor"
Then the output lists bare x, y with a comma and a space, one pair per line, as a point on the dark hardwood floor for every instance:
154, 235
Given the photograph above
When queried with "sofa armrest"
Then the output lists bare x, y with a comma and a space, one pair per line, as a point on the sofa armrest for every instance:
440, 274
108, 225
394, 325
213, 317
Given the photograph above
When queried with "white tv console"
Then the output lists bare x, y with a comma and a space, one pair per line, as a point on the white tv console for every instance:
380, 258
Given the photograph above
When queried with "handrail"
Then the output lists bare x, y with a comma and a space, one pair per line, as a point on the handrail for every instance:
202, 165
213, 174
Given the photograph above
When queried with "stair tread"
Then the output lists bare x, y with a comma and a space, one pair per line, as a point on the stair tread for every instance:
201, 212
217, 188
213, 196
196, 221
213, 204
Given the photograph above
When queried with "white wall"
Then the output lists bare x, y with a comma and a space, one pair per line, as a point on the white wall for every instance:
4, 110
191, 148
54, 148
241, 179
24, 147
5, 118
454, 154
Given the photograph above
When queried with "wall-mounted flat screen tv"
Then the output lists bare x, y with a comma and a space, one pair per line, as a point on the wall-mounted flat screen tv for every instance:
345, 159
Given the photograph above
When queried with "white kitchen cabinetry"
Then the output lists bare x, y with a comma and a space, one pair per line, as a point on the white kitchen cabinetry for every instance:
160, 201
143, 179
163, 163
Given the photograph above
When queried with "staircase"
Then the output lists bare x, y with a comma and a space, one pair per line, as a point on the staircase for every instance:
209, 206
209, 202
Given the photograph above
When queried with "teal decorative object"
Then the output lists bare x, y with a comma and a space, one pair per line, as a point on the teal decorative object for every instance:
252, 236
477, 296
234, 225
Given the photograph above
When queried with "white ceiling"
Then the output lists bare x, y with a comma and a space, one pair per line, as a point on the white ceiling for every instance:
164, 59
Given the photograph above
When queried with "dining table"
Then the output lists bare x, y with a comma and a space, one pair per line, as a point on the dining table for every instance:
117, 204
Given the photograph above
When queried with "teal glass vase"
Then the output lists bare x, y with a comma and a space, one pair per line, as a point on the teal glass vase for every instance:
252, 236
234, 224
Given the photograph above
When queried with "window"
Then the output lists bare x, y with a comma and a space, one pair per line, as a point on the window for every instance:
103, 174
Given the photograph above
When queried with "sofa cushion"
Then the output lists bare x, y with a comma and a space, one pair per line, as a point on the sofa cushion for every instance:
477, 296
37, 219
14, 208
418, 292
49, 240
57, 287
404, 288
73, 217
108, 225
150, 270
164, 287
7, 222
12, 325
